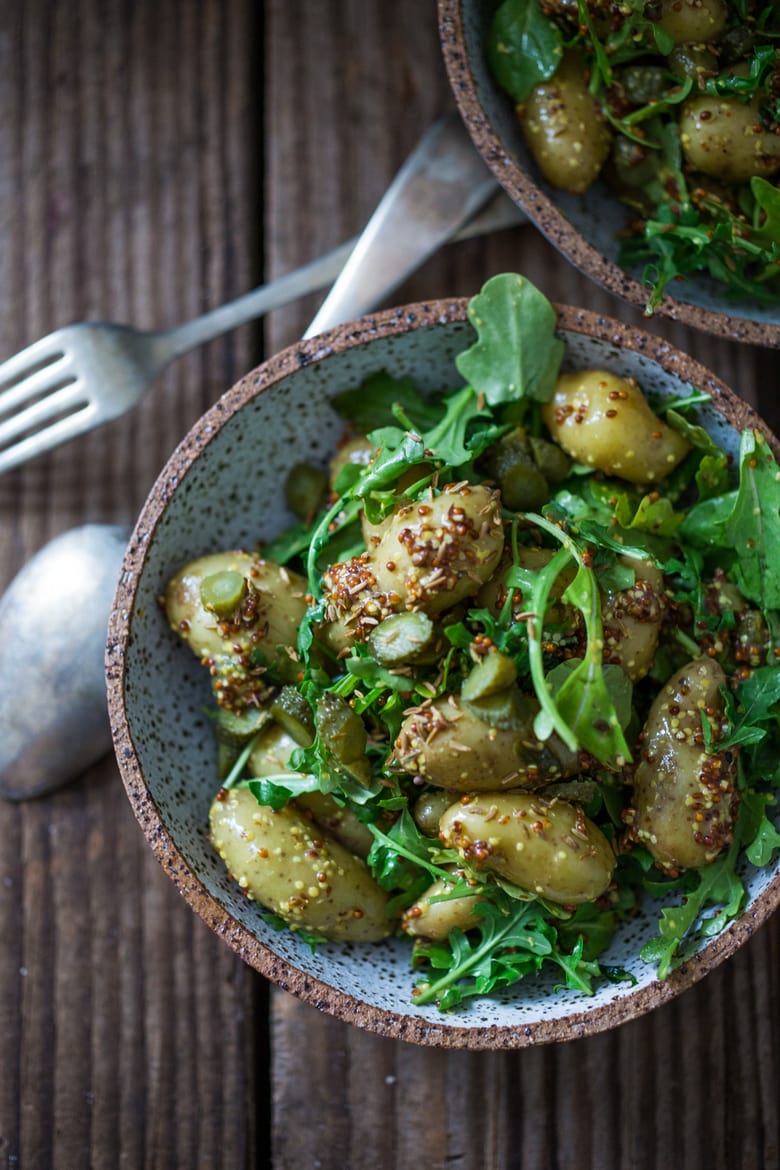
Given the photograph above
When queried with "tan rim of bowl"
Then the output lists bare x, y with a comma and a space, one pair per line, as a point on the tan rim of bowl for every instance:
286, 976
549, 219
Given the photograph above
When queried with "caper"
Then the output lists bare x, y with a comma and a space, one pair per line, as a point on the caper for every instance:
694, 61
633, 165
428, 808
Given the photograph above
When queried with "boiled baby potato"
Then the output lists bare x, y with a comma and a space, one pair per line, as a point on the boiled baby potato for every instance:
338, 820
357, 450
436, 552
631, 620
565, 129
684, 798
724, 137
432, 553
292, 867
548, 847
451, 747
271, 756
605, 422
428, 918
689, 21
233, 605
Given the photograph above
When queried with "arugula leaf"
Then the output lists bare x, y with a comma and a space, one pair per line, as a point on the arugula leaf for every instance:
367, 670
399, 856
277, 790
446, 442
755, 703
584, 699
508, 942
503, 949
371, 404
719, 885
762, 838
767, 199
738, 85
517, 355
753, 528
582, 712
590, 926
523, 47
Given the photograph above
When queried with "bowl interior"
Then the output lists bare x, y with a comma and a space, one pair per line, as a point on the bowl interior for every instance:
584, 228
222, 488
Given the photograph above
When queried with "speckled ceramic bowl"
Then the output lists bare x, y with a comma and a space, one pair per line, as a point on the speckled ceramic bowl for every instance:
221, 488
582, 227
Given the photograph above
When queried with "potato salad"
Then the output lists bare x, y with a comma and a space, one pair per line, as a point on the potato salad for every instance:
515, 665
675, 104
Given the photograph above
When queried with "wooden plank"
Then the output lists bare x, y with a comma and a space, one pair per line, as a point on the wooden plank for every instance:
696, 1082
129, 1034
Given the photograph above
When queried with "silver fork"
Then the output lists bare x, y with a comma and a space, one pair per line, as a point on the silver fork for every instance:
83, 375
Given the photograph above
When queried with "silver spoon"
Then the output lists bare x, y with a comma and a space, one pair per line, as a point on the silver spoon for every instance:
54, 615
53, 621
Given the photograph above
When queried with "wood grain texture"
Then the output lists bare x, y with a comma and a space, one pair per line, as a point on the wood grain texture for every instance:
129, 1036
156, 159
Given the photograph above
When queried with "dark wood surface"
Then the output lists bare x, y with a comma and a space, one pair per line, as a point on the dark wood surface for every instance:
157, 158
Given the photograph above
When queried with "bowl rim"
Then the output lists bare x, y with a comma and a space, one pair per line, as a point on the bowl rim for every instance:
549, 219
247, 946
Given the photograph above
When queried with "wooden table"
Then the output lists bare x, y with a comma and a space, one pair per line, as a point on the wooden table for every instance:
156, 158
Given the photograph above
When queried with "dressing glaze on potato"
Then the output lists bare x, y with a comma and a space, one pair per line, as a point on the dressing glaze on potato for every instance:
292, 867
263, 629
685, 798
565, 130
725, 138
631, 620
548, 847
430, 555
605, 422
449, 746
434, 915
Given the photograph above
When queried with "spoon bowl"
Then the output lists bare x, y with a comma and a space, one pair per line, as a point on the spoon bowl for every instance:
53, 618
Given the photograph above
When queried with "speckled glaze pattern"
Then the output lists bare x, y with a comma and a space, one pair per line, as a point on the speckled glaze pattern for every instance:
583, 228
222, 488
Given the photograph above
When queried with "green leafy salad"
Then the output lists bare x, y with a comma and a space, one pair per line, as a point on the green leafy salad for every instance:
513, 671
675, 104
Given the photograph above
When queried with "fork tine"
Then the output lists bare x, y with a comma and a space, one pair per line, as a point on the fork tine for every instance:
59, 432
47, 409
48, 379
45, 351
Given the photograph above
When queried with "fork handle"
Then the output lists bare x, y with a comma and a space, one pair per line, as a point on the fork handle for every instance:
498, 214
309, 278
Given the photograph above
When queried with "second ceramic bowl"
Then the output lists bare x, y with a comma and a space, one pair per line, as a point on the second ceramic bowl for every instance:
583, 227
